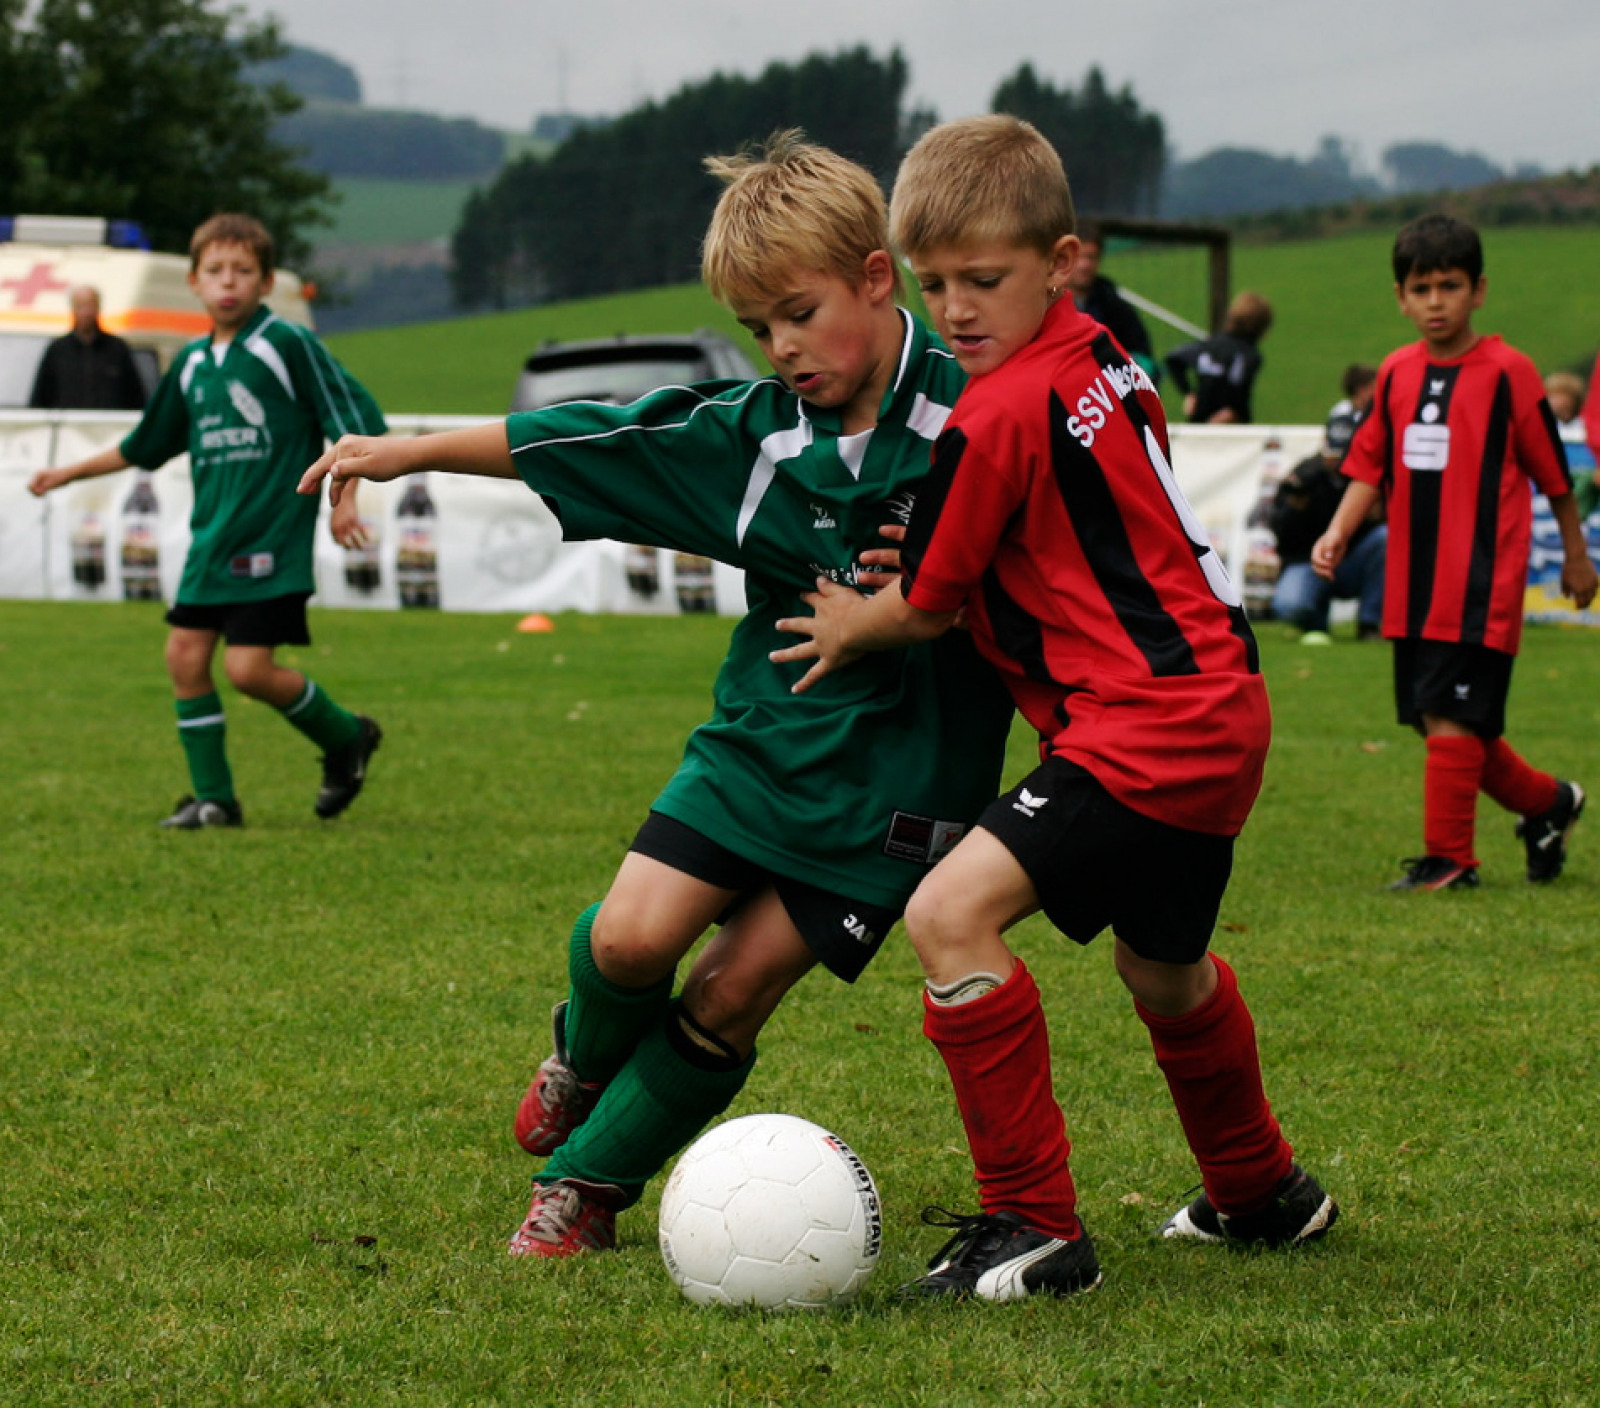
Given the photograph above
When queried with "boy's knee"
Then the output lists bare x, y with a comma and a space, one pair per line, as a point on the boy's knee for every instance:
628, 948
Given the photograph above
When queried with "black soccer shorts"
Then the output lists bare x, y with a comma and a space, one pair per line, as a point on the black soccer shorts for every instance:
844, 934
279, 620
1096, 863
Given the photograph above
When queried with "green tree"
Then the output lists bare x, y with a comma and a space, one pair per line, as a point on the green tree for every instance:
625, 205
140, 109
1114, 152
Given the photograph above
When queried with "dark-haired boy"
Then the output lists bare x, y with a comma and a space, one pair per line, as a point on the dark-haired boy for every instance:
1458, 426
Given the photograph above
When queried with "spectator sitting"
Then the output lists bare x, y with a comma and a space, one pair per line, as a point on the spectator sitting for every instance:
1565, 393
87, 369
1301, 510
1097, 296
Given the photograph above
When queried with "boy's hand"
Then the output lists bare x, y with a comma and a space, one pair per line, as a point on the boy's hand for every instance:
46, 480
1327, 553
825, 631
345, 522
882, 564
1578, 580
371, 457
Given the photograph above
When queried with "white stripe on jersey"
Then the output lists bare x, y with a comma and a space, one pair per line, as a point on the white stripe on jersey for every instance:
190, 363
263, 351
783, 445
927, 417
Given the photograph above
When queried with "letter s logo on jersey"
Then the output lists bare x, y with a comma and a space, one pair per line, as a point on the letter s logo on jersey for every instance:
1425, 447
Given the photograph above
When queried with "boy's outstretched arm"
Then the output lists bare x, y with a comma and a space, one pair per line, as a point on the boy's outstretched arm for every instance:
479, 449
1328, 551
847, 625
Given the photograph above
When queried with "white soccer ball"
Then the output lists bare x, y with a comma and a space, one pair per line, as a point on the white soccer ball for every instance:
770, 1211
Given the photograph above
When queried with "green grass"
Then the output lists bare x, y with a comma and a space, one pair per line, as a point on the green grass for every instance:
254, 1125
1333, 298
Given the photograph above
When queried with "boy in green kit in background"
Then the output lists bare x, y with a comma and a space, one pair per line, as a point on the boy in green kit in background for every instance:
251, 403
800, 826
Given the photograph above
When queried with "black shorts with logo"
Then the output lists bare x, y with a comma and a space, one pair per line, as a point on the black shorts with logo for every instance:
280, 620
1467, 684
843, 933
1097, 863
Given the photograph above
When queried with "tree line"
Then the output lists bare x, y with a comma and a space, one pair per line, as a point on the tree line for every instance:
625, 205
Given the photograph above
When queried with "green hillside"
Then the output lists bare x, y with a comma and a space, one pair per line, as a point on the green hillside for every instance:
375, 210
1333, 299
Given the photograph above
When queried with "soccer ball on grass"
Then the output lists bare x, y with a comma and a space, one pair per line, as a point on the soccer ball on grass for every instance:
770, 1211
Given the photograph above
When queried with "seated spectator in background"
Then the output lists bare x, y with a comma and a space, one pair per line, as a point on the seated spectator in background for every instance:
87, 369
1565, 391
1301, 511
1216, 374
1357, 383
1097, 296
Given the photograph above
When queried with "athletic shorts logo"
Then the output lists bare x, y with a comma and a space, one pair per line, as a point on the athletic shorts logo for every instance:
1463, 691
858, 931
1027, 803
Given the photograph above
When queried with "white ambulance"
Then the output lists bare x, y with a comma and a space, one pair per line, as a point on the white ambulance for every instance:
144, 296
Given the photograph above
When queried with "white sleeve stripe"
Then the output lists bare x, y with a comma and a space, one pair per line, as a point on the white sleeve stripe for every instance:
613, 431
333, 388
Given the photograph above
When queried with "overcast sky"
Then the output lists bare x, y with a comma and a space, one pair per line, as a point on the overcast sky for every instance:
1515, 82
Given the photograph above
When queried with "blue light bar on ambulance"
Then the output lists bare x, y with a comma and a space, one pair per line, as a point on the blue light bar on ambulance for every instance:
72, 229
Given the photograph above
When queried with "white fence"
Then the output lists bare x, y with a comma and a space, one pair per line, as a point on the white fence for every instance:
486, 545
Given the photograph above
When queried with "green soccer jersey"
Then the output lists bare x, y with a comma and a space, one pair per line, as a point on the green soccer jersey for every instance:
252, 419
858, 785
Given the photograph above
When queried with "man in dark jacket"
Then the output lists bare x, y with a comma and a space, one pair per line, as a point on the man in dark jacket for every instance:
88, 369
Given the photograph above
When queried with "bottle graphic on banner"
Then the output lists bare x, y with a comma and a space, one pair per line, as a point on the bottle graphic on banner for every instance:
417, 557
1261, 564
643, 568
362, 572
696, 592
89, 552
141, 542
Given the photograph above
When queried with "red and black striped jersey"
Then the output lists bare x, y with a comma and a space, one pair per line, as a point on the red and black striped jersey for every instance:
1053, 516
1452, 445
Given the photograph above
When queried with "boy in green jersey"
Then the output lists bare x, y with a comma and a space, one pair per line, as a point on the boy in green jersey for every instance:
251, 403
799, 825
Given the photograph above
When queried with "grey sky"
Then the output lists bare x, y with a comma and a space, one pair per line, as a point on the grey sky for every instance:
1517, 82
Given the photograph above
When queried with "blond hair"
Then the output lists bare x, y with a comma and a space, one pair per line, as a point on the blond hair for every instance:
981, 178
1568, 384
231, 228
790, 205
1249, 316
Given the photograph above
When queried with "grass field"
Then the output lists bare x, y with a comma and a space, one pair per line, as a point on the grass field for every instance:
258, 1084
1333, 300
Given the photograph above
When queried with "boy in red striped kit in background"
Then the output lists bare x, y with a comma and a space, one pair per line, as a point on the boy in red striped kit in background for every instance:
1459, 424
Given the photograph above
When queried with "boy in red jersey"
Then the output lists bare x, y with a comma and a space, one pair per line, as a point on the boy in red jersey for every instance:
1053, 521
1458, 426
